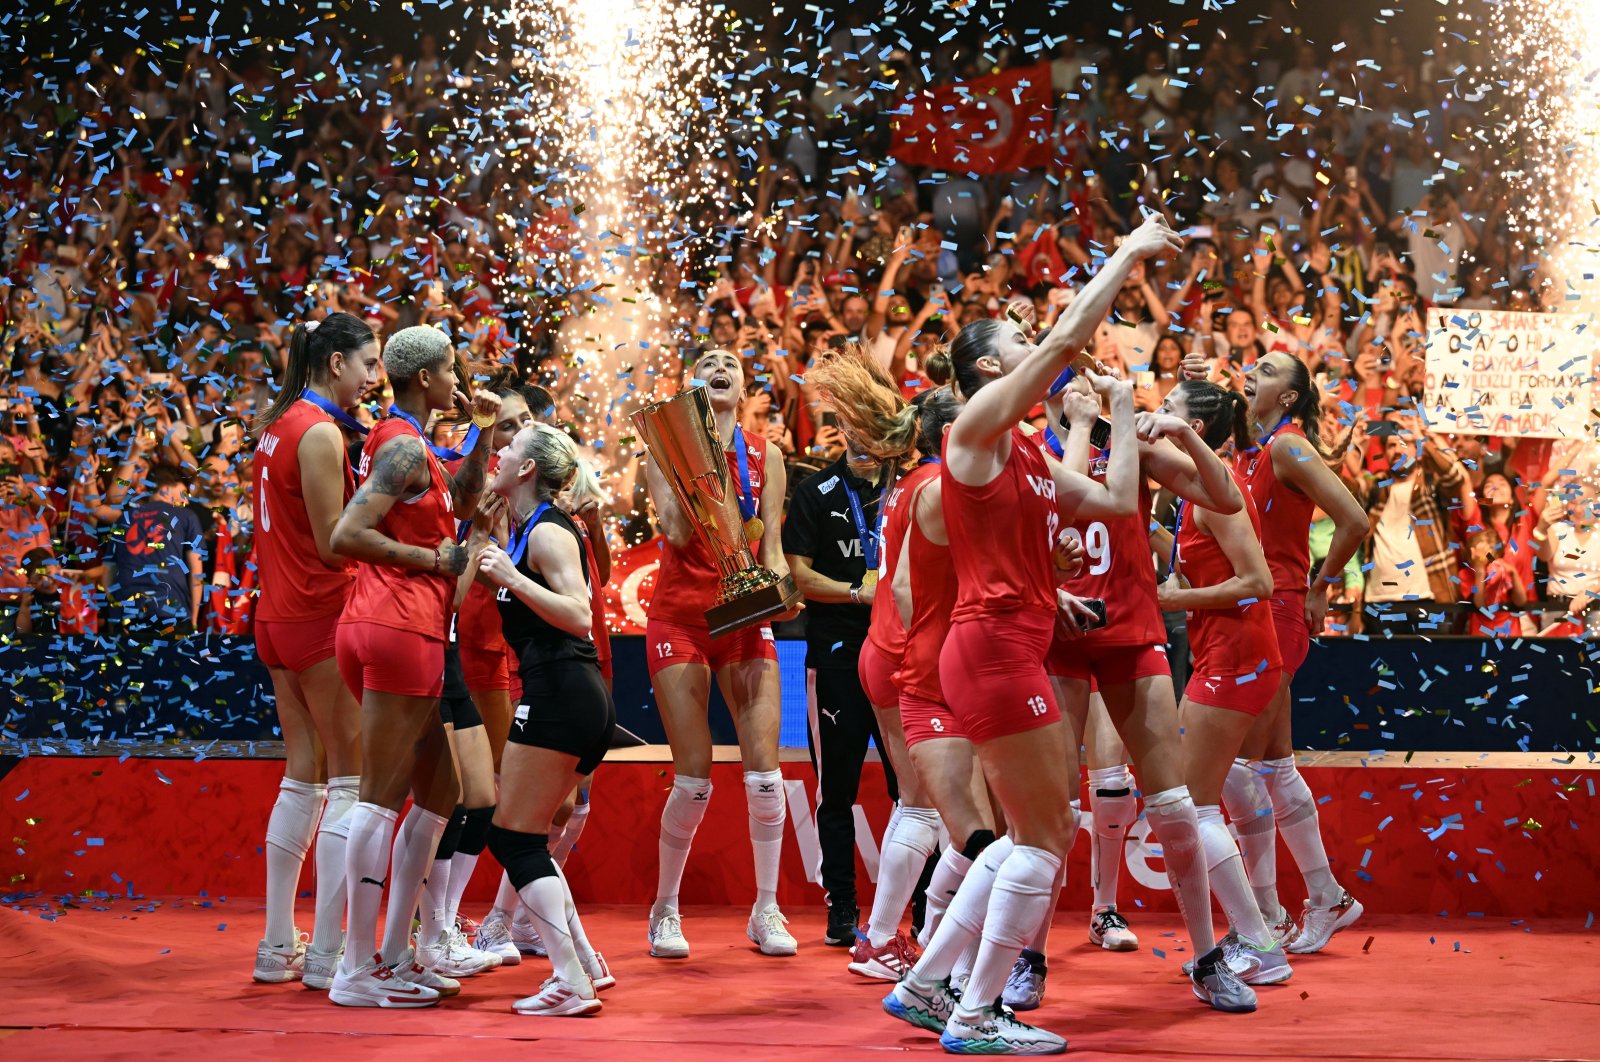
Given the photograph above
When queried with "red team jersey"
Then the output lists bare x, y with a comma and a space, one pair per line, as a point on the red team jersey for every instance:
933, 597
686, 583
1003, 536
886, 631
1232, 640
407, 599
296, 584
1282, 508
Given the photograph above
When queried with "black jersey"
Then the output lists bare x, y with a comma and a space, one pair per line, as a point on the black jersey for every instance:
534, 639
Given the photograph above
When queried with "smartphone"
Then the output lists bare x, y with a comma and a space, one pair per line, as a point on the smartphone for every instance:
1145, 378
830, 419
1098, 607
803, 291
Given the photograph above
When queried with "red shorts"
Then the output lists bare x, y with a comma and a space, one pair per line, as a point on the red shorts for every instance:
994, 669
925, 720
486, 668
876, 672
1111, 665
390, 660
667, 643
1294, 635
296, 646
1250, 692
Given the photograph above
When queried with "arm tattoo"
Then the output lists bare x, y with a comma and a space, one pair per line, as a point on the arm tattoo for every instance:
392, 471
467, 483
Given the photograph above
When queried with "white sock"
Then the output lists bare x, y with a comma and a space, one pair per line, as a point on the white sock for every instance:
963, 921
905, 853
506, 904
561, 850
1041, 936
1225, 872
962, 970
686, 806
580, 940
366, 862
763, 793
435, 901
546, 903
1114, 807
1295, 811
414, 847
1019, 901
1175, 824
1250, 808
462, 866
332, 835
948, 874
290, 827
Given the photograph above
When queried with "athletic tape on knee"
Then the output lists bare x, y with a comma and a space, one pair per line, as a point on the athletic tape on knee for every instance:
293, 821
1291, 797
475, 831
686, 806
976, 843
918, 830
1247, 800
343, 792
1021, 898
764, 792
1215, 839
525, 856
1169, 811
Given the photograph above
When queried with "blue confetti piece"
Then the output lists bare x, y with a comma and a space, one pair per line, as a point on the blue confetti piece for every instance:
23, 795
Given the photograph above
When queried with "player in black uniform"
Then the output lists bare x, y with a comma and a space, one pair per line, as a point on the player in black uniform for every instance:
563, 726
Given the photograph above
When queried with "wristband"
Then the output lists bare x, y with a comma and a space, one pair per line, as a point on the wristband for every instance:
855, 594
436, 558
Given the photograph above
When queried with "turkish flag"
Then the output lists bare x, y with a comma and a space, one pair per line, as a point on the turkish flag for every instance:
987, 125
633, 583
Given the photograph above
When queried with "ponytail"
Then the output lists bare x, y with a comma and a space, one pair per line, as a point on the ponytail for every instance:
311, 345
872, 415
937, 410
1307, 409
976, 340
938, 368
1222, 413
1239, 425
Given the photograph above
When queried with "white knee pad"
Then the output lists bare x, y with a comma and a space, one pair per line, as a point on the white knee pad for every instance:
1214, 835
1246, 797
686, 806
1112, 801
763, 791
1173, 816
1291, 797
293, 821
918, 830
343, 792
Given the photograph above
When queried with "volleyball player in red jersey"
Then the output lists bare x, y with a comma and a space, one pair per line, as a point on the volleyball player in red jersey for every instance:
302, 481
878, 423
401, 527
1284, 472
683, 657
1125, 660
1003, 504
1218, 575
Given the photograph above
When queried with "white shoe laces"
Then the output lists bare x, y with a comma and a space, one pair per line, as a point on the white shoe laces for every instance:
668, 926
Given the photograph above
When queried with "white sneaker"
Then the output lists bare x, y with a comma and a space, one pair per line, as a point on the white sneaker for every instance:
321, 967
765, 930
1257, 966
1109, 930
599, 971
1284, 930
459, 941
1319, 924
1025, 985
926, 1007
558, 999
278, 965
526, 938
443, 957
1216, 984
494, 935
409, 970
666, 936
998, 1032
375, 985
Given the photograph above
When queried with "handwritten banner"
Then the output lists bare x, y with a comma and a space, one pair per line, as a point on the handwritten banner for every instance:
1501, 372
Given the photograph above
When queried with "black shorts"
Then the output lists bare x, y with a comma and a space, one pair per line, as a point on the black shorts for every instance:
566, 708
456, 706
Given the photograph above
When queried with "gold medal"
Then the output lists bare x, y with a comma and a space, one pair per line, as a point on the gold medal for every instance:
753, 528
869, 579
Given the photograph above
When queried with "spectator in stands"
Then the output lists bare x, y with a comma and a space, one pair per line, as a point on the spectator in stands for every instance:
155, 568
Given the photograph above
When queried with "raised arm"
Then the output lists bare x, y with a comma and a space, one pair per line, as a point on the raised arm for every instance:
467, 484
1078, 496
1189, 469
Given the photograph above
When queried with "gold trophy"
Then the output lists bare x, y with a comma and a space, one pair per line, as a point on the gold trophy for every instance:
681, 434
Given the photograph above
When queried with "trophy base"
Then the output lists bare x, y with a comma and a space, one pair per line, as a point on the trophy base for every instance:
756, 606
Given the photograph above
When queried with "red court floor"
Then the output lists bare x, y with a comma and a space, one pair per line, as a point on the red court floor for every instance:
170, 979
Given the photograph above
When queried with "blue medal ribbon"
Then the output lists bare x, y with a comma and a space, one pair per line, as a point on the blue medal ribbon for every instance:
870, 540
747, 498
1266, 440
443, 453
1052, 441
1177, 526
343, 417
519, 542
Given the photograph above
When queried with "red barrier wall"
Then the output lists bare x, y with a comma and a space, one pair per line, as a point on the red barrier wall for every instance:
1498, 841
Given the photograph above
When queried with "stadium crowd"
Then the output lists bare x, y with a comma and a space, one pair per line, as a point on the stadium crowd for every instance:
165, 222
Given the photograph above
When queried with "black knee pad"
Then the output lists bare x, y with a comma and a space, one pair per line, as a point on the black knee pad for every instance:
450, 839
976, 843
475, 830
525, 856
